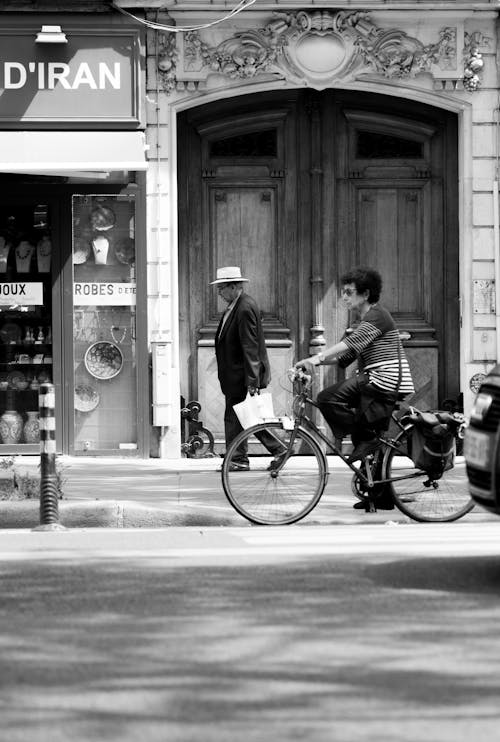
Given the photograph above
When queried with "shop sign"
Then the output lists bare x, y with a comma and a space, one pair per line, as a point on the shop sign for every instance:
21, 292
94, 77
104, 294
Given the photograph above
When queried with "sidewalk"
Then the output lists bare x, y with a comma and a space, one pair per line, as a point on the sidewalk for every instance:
158, 493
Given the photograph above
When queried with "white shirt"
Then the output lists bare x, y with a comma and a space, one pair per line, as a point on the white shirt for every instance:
229, 309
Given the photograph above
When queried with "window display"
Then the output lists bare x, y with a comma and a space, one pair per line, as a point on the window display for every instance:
25, 318
104, 322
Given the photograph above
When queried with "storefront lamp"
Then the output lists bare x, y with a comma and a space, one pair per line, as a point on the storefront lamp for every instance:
51, 35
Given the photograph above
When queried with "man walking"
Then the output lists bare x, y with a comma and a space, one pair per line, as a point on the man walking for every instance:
242, 360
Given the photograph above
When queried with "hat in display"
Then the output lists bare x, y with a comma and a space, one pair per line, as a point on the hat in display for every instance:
228, 275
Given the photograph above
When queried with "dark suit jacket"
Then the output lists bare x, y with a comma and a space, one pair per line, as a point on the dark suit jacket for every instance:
240, 349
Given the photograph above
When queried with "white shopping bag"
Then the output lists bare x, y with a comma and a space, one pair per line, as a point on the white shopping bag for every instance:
254, 410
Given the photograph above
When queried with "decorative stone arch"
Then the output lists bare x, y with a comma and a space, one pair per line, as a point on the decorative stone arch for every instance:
184, 99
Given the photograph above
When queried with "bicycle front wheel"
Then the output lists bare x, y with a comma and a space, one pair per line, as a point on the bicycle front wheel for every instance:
421, 498
275, 497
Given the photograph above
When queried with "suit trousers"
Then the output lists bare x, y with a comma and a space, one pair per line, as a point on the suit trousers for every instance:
339, 405
232, 428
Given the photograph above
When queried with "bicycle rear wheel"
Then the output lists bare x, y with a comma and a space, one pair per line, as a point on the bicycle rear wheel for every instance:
281, 496
417, 496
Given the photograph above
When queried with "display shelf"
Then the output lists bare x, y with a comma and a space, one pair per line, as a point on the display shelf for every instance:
10, 364
25, 345
18, 391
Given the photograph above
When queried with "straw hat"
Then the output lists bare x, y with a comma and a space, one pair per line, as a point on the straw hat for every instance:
229, 274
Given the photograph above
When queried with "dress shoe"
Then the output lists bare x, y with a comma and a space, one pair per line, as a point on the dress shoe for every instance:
382, 504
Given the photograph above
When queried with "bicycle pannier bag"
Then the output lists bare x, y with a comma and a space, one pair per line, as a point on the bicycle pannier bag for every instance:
432, 449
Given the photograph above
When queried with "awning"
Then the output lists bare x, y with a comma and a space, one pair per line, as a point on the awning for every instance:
67, 151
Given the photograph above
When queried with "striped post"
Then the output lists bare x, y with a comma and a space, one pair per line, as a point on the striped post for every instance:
49, 510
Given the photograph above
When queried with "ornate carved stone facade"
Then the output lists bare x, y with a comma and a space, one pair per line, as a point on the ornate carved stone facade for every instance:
321, 48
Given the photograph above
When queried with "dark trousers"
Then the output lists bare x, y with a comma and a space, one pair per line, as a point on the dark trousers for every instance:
232, 428
339, 405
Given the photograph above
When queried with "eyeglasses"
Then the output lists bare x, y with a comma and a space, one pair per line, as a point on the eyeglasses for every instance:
348, 292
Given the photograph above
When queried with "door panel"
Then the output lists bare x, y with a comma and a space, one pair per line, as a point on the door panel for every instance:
393, 238
390, 236
242, 225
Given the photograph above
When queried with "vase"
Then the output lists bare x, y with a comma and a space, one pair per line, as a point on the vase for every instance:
11, 427
32, 427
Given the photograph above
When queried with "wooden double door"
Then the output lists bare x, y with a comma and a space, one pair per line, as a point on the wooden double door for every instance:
295, 187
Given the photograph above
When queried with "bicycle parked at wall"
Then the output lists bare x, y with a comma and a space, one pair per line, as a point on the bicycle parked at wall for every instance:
418, 464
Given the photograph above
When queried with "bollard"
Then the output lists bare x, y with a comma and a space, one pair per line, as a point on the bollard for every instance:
49, 497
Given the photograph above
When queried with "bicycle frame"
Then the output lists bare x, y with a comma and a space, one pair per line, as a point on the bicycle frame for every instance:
301, 399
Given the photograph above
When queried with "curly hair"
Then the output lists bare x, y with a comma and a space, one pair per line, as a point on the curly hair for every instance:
365, 279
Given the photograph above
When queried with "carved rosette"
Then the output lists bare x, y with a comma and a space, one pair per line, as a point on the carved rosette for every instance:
318, 48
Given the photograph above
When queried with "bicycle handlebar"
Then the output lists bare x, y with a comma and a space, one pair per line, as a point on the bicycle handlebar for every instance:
298, 374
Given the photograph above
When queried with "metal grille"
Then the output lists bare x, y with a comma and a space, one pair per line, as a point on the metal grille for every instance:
492, 419
480, 479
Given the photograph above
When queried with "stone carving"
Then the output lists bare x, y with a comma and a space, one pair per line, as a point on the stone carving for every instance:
167, 61
392, 53
288, 47
245, 55
318, 47
473, 59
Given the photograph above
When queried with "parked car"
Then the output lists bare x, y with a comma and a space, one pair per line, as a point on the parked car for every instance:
482, 444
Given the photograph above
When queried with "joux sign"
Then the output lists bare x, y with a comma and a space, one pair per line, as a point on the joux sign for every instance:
104, 294
94, 77
29, 294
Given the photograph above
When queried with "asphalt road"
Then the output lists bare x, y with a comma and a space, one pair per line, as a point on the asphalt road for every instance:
324, 634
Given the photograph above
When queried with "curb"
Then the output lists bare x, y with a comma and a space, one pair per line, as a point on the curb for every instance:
109, 514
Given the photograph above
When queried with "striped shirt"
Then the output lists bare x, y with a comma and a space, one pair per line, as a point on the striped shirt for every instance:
375, 343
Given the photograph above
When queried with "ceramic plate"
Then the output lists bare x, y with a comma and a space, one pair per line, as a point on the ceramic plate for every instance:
125, 251
81, 251
103, 360
86, 398
43, 377
102, 218
10, 333
17, 380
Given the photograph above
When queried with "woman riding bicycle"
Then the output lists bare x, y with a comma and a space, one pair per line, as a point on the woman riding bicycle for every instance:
361, 405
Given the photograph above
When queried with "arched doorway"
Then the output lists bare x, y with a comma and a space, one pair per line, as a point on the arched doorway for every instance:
297, 186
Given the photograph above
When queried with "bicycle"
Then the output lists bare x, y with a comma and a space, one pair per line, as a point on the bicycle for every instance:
285, 491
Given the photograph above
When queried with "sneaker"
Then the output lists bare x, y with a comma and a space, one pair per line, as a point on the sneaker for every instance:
239, 466
364, 448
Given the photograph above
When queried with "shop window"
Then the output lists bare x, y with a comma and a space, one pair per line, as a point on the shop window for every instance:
373, 145
104, 323
252, 144
25, 318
